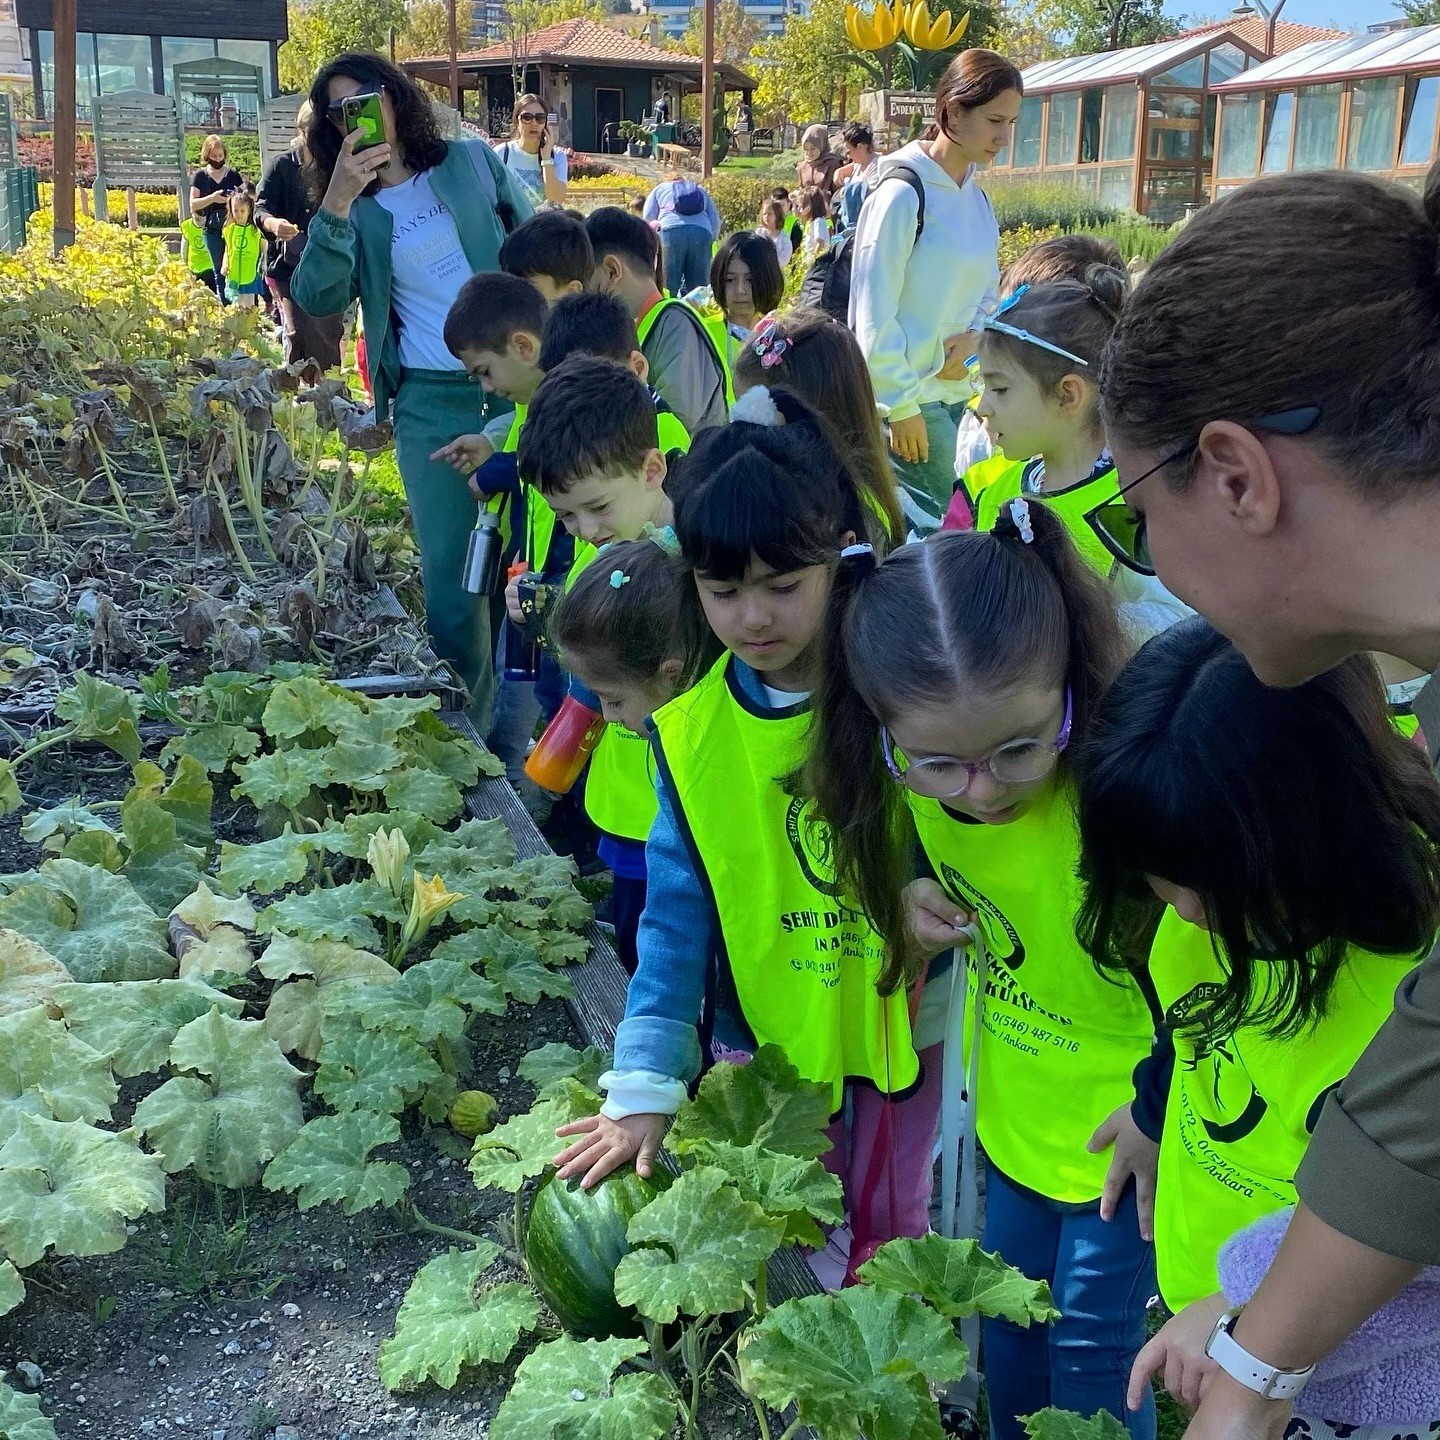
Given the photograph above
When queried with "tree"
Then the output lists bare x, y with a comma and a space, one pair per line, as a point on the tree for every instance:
523, 18
803, 68
1024, 35
323, 29
1420, 12
427, 28
737, 32
1091, 25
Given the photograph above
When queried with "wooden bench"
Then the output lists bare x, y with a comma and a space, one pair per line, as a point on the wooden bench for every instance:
677, 155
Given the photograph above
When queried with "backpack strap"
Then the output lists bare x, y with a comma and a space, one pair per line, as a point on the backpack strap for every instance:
485, 166
912, 178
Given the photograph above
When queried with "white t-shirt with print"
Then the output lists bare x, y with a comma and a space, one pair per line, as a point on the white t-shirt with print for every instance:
526, 169
427, 269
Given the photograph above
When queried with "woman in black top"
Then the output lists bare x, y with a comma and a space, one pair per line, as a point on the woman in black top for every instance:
283, 210
210, 189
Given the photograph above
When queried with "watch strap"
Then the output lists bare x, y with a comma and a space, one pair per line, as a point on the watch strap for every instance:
1239, 1364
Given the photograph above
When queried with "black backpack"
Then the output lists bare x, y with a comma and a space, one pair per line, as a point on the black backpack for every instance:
826, 285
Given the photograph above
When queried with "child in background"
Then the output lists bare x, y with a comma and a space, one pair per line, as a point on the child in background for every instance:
768, 518
622, 631
957, 674
636, 206
1040, 361
772, 227
815, 213
1288, 914
244, 253
819, 359
747, 283
685, 366
552, 251
793, 228
197, 255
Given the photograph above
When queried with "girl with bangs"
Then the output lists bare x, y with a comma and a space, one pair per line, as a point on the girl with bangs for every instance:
746, 939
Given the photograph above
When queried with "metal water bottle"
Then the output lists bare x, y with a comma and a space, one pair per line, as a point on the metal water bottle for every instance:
482, 558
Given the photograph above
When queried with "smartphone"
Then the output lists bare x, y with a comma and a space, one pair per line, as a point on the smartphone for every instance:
363, 113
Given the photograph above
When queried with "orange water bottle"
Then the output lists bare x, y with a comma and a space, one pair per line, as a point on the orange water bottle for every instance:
561, 752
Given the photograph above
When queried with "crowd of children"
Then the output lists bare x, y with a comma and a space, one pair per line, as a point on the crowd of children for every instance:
985, 831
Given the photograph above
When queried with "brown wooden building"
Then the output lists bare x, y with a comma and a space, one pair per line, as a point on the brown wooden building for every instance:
133, 44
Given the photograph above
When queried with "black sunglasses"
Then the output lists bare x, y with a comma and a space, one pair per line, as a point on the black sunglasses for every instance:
535, 117
1122, 531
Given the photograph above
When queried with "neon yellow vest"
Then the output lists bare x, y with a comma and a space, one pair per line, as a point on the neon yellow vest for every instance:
726, 346
646, 324
1241, 1109
803, 963
1059, 1042
620, 787
197, 257
1071, 505
1406, 722
243, 247
994, 471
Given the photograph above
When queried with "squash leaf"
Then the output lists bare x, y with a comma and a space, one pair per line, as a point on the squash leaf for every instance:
267, 866
12, 1290
158, 863
339, 912
445, 1323
306, 705
1052, 1424
133, 1024
377, 1070
101, 711
46, 1070
764, 1103
544, 1066
29, 973
959, 1279
514, 965
21, 1418
426, 791
568, 1387
92, 922
237, 1107
283, 777
203, 910
326, 1162
787, 1188
427, 1001
353, 837
700, 1247
855, 1361
296, 1010
213, 746
72, 1186
525, 1144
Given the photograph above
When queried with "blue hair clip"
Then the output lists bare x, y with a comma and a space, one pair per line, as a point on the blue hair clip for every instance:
618, 578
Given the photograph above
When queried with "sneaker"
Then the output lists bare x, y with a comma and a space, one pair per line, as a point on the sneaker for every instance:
960, 1420
829, 1265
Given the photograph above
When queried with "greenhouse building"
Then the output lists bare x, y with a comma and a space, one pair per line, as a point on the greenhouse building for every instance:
1366, 102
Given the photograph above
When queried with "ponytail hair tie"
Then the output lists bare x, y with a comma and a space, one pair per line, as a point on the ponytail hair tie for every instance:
1014, 522
865, 554
664, 536
757, 407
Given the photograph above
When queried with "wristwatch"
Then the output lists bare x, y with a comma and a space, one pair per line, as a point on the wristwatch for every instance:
1267, 1381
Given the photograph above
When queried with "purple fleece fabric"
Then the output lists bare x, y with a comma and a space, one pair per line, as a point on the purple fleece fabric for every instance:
1388, 1370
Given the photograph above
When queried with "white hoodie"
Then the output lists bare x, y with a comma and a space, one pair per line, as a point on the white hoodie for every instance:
907, 296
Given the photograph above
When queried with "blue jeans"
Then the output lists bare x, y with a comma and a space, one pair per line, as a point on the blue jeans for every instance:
1102, 1276
687, 257
926, 485
215, 244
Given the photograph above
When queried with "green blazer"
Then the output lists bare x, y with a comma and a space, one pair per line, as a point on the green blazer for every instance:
348, 258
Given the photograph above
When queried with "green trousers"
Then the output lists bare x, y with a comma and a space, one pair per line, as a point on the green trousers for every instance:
432, 407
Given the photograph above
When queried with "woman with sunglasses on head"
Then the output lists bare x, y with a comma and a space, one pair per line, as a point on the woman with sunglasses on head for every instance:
1040, 366
403, 224
531, 157
1272, 398
958, 675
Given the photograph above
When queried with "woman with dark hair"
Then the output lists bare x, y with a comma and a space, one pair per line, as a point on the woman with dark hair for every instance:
403, 224
1283, 477
917, 297
530, 154
747, 283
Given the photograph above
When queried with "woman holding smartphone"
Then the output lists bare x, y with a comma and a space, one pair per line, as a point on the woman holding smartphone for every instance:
404, 219
211, 187
530, 154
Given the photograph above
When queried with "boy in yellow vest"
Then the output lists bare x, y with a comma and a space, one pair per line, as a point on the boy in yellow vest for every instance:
685, 367
591, 446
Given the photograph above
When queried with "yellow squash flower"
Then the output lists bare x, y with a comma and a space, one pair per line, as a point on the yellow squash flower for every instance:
387, 853
429, 899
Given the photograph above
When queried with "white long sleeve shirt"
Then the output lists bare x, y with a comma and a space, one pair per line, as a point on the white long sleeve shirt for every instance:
908, 295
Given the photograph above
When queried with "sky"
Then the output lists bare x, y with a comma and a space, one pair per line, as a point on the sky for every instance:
1342, 14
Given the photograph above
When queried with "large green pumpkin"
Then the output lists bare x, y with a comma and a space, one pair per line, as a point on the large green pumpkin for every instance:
572, 1240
